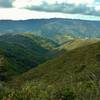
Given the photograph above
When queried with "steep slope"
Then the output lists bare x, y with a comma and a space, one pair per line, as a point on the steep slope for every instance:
19, 53
87, 55
78, 69
17, 58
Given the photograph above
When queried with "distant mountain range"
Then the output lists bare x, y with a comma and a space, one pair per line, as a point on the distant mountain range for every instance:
55, 29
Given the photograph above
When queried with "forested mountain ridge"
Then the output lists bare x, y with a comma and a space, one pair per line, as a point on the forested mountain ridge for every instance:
56, 29
19, 53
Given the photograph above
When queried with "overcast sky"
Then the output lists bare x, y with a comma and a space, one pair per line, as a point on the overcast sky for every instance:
28, 9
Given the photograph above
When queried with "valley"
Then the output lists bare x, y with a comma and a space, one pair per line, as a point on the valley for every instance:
49, 59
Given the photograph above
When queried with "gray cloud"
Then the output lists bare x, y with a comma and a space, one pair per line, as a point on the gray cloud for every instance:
66, 8
57, 7
5, 3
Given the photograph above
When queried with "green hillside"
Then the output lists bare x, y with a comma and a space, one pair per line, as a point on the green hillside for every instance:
74, 75
29, 40
49, 59
34, 68
20, 53
43, 42
76, 43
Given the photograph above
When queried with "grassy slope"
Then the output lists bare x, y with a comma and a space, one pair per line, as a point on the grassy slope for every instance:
83, 54
78, 69
73, 44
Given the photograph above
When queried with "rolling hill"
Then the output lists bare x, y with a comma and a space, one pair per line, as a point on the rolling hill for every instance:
77, 69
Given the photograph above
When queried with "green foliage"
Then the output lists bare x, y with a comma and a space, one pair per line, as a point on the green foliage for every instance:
36, 91
22, 52
77, 70
72, 74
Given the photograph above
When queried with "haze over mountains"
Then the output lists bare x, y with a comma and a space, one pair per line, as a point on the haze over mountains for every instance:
53, 28
49, 59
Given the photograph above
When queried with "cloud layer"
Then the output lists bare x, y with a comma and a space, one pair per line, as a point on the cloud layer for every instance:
23, 14
85, 7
